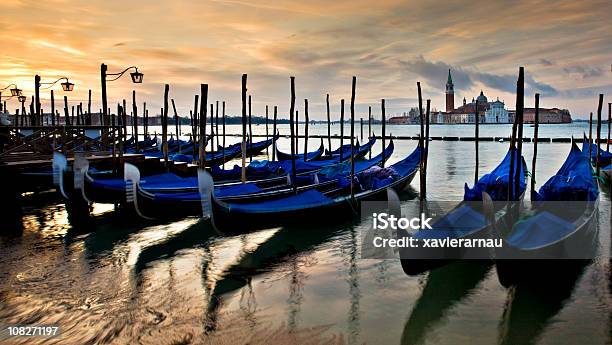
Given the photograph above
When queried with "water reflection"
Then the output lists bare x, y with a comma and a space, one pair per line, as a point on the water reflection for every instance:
286, 250
132, 281
530, 308
445, 287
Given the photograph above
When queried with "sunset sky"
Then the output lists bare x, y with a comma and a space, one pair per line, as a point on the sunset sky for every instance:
565, 46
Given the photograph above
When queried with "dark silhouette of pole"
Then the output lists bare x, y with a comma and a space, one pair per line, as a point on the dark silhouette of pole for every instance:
267, 134
293, 146
512, 149
599, 109
176, 119
135, 118
216, 148
274, 132
89, 108
305, 129
425, 160
383, 116
103, 69
194, 127
536, 124
590, 136
353, 137
520, 101
421, 143
250, 132
213, 134
361, 124
341, 128
244, 124
52, 109
609, 121
223, 145
165, 125
370, 127
202, 127
66, 114
328, 123
145, 113
37, 99
476, 137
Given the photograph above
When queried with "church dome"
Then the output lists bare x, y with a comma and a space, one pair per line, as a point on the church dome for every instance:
482, 99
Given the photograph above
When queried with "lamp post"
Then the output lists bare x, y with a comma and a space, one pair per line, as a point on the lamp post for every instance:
15, 92
136, 79
66, 86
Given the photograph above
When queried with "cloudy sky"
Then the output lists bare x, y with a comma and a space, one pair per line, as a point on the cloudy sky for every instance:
565, 46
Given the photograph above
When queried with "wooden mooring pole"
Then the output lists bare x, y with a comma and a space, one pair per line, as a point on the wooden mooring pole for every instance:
202, 125
305, 129
293, 146
476, 135
383, 115
328, 123
599, 109
267, 133
274, 132
165, 125
223, 144
135, 121
370, 127
341, 128
352, 137
244, 124
536, 125
609, 124
590, 136
250, 143
421, 143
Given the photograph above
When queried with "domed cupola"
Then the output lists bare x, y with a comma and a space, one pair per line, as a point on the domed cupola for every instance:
482, 99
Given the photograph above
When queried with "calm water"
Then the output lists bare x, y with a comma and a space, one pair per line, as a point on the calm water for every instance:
128, 281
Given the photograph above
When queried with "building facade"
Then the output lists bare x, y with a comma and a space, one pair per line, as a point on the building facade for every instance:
497, 113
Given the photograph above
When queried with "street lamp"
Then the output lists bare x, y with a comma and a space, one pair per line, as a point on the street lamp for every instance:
136, 79
14, 90
66, 86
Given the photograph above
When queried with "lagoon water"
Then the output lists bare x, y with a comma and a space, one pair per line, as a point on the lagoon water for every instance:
127, 281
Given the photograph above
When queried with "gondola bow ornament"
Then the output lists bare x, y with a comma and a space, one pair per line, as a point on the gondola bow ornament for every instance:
205, 187
60, 164
131, 176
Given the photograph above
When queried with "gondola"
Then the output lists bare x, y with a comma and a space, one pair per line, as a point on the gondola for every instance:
159, 202
280, 155
345, 148
605, 157
465, 221
330, 200
212, 158
562, 225
112, 189
258, 170
253, 149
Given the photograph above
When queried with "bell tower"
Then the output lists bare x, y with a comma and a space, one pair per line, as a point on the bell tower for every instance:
450, 93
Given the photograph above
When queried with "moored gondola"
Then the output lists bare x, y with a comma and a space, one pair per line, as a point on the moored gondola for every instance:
466, 221
300, 156
315, 204
561, 229
160, 203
